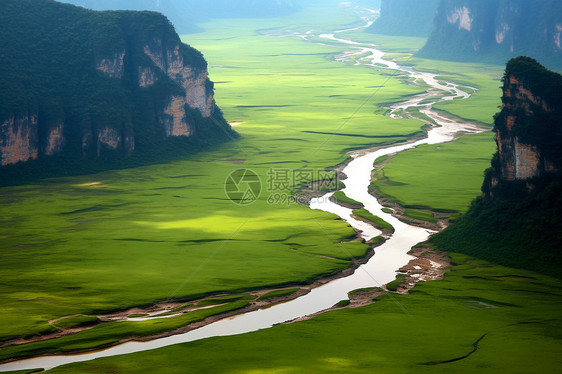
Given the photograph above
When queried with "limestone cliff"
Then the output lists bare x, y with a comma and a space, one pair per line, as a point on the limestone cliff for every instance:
496, 30
518, 220
405, 17
97, 84
529, 126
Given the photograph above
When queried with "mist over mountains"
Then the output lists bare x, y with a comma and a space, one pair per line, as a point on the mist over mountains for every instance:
405, 17
491, 31
185, 14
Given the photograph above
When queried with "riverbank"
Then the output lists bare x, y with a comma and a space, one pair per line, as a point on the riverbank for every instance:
170, 309
300, 157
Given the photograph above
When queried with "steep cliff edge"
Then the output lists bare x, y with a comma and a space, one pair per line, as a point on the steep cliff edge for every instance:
529, 126
496, 30
91, 84
518, 219
405, 17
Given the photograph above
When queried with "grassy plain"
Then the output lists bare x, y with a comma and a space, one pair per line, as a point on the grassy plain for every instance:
109, 241
376, 220
342, 198
439, 176
508, 315
117, 239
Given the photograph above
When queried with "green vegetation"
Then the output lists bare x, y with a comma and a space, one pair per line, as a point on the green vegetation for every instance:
532, 32
515, 230
107, 334
516, 223
535, 126
112, 240
277, 293
405, 18
224, 299
442, 176
350, 294
381, 159
117, 239
75, 321
376, 220
508, 314
339, 196
138, 315
420, 214
52, 73
342, 303
393, 286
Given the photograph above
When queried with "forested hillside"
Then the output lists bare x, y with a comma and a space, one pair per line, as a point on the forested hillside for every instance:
84, 84
405, 17
518, 220
497, 30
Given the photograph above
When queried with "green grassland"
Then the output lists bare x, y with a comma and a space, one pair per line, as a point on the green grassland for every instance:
509, 316
439, 176
376, 220
117, 239
342, 198
420, 214
486, 78
108, 334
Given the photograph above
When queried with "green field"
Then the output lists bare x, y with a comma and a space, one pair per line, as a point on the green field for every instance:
439, 176
376, 220
109, 241
511, 316
340, 197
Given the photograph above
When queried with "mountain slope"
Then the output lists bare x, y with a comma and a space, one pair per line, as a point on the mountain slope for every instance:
185, 14
89, 84
518, 220
405, 17
496, 30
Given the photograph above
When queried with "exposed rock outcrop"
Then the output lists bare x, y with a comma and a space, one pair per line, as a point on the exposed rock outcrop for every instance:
518, 220
529, 127
129, 83
496, 30
113, 67
19, 139
55, 140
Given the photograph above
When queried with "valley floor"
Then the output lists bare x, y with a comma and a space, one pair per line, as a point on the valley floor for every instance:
91, 245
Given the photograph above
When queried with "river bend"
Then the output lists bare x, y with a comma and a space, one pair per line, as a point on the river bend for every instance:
390, 256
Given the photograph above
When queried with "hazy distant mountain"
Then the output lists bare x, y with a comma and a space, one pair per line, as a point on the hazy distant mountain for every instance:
405, 17
184, 14
497, 30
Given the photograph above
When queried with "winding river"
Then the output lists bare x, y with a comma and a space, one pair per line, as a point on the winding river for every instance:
379, 270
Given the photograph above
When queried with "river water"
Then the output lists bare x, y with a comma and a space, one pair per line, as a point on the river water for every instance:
390, 256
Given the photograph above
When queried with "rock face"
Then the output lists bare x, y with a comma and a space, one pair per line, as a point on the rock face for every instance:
529, 126
405, 17
518, 219
130, 83
496, 30
19, 139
